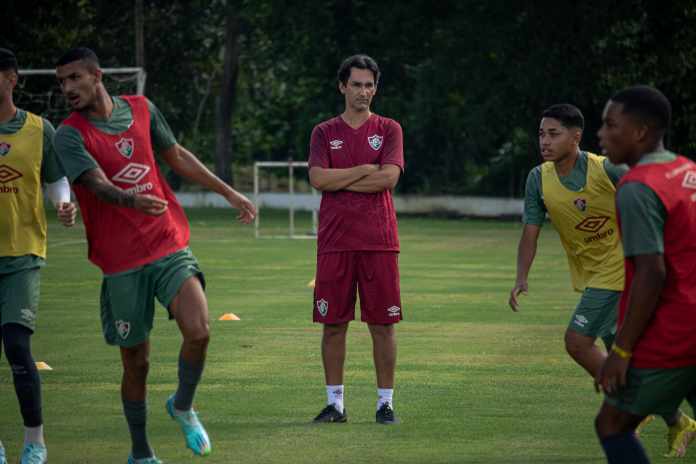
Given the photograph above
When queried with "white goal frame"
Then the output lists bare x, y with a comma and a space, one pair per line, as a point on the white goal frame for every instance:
290, 166
140, 74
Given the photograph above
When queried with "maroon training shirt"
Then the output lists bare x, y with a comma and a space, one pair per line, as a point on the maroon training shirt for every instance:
352, 221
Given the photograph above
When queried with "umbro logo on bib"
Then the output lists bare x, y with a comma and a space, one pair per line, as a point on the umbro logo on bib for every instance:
132, 174
125, 147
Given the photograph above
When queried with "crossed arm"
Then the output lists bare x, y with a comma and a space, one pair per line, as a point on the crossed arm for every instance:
365, 178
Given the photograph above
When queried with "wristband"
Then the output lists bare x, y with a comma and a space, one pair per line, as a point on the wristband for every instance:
623, 354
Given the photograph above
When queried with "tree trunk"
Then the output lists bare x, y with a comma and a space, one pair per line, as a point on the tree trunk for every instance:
139, 35
225, 102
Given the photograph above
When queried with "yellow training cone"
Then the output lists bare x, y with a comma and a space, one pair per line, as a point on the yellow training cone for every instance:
228, 317
42, 366
310, 284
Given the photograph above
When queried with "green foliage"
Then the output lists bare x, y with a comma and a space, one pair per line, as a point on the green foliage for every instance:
467, 80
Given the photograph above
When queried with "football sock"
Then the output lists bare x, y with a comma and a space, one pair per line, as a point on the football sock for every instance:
189, 377
624, 449
334, 395
384, 395
27, 382
34, 435
136, 416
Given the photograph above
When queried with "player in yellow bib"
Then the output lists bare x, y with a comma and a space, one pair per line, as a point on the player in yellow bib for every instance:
577, 189
27, 160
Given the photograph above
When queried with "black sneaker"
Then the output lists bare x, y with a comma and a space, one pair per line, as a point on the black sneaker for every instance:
331, 414
385, 415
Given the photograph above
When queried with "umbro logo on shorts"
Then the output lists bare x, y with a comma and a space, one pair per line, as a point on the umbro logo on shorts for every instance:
581, 320
394, 311
323, 307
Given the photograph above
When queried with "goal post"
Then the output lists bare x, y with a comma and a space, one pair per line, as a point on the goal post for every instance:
38, 90
292, 197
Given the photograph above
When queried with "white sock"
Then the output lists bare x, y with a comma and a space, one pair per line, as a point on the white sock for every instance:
334, 395
384, 395
34, 435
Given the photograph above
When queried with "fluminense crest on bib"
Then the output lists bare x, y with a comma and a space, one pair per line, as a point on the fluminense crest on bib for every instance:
123, 328
580, 204
323, 307
375, 141
125, 147
4, 148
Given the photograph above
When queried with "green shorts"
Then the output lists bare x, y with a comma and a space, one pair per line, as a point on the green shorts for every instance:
595, 315
19, 297
128, 298
655, 391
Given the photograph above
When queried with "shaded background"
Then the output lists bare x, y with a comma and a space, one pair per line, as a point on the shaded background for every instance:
247, 80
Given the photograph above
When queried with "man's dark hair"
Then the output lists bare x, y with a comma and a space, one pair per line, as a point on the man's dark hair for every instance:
360, 62
8, 60
647, 104
568, 115
79, 54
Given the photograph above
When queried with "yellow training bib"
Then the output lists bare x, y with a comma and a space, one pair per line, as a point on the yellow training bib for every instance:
586, 223
22, 215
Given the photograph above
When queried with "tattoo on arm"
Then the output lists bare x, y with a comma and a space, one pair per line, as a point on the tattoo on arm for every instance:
96, 182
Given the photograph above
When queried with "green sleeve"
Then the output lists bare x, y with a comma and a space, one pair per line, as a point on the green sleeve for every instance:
614, 171
642, 217
72, 154
51, 170
534, 207
160, 132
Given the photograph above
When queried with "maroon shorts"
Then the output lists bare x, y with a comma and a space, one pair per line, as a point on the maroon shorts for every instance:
374, 275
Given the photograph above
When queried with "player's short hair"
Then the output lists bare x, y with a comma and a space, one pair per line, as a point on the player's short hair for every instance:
359, 62
647, 104
8, 60
568, 115
79, 54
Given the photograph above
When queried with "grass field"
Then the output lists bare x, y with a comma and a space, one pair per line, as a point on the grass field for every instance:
476, 383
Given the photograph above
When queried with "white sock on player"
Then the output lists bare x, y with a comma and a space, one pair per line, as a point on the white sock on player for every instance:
34, 435
384, 395
334, 395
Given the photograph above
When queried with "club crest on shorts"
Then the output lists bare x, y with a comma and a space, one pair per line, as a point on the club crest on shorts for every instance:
125, 147
323, 307
123, 328
580, 204
4, 148
375, 141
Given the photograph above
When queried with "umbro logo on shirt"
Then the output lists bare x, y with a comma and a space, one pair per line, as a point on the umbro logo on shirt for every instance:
336, 144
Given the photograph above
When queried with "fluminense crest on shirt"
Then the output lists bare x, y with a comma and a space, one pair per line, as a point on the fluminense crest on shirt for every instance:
375, 141
125, 147
4, 148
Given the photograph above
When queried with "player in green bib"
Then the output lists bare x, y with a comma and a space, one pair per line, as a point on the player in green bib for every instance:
27, 160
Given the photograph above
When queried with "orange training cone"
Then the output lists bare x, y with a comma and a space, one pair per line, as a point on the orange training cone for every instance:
229, 317
42, 366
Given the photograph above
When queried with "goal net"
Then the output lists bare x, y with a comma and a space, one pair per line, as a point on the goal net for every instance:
276, 188
38, 90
